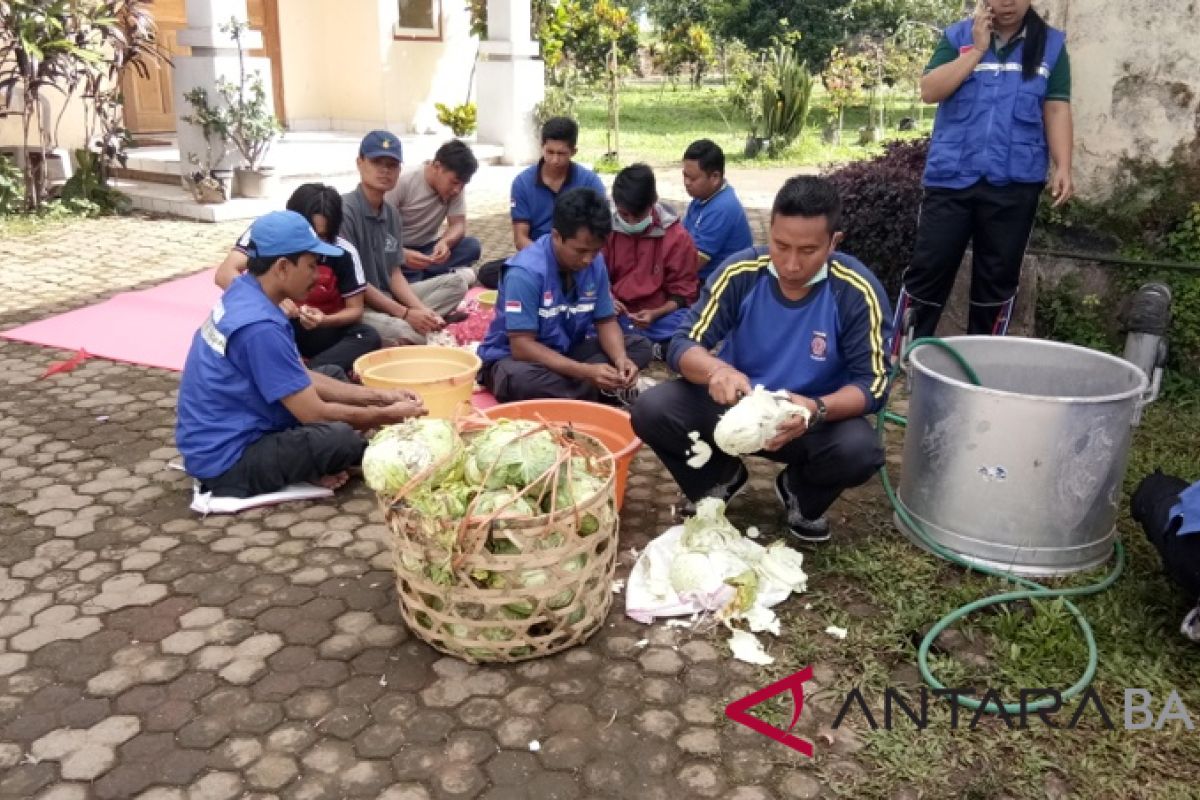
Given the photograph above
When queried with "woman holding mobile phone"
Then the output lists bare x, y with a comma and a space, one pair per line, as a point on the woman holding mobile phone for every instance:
1002, 82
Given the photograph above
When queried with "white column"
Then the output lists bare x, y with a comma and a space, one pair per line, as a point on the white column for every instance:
213, 56
510, 81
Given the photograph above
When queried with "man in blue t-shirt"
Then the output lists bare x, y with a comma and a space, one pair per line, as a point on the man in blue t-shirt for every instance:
715, 217
536, 188
804, 319
251, 418
555, 333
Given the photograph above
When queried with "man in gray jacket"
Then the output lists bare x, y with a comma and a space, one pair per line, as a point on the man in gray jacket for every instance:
403, 313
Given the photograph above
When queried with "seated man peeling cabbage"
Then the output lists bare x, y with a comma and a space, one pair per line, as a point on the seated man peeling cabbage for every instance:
808, 324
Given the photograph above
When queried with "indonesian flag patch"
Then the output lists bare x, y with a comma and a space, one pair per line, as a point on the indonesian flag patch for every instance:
512, 306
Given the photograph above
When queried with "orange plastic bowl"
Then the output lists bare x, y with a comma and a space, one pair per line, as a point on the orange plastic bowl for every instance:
610, 425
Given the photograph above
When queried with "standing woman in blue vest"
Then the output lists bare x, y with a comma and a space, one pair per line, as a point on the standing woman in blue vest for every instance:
1003, 84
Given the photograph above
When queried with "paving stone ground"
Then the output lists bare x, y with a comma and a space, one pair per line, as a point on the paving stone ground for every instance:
149, 653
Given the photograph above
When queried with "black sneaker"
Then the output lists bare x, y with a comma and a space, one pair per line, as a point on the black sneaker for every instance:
624, 398
724, 491
799, 527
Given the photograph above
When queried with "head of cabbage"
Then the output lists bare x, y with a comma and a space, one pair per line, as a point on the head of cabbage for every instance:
399, 452
581, 487
754, 421
511, 452
505, 501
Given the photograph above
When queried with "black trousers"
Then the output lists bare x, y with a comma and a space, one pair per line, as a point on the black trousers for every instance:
1151, 506
997, 220
303, 453
490, 272
821, 464
511, 380
338, 347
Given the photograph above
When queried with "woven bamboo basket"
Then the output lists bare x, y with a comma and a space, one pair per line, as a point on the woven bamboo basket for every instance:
551, 594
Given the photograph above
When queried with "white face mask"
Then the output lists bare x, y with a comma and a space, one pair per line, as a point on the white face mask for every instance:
632, 228
821, 275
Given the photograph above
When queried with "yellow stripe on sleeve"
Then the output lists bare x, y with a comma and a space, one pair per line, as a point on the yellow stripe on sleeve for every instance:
714, 299
878, 362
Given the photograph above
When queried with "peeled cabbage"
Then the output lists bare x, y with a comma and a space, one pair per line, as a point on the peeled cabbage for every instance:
783, 567
746, 647
754, 421
708, 529
400, 452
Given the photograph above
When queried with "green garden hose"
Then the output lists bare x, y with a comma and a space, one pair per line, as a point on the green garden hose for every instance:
1032, 590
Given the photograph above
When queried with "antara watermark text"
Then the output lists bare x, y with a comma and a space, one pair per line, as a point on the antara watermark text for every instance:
1033, 707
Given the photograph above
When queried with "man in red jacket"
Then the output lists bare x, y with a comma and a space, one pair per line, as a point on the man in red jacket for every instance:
652, 261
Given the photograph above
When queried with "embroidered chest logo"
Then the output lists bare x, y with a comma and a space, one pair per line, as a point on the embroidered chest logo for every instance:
819, 346
390, 245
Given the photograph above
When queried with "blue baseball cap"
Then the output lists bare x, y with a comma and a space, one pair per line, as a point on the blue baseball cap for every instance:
282, 233
381, 143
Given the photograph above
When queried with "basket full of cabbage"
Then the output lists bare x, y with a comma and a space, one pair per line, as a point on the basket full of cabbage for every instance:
504, 533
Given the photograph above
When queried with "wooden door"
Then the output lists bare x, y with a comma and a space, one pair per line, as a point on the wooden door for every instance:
264, 17
149, 104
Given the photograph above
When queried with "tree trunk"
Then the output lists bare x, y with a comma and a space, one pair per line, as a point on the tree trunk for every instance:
33, 194
614, 105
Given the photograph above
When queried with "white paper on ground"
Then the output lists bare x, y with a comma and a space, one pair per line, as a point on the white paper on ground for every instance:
205, 503
649, 595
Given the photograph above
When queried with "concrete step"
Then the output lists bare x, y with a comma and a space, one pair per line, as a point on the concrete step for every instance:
314, 155
487, 194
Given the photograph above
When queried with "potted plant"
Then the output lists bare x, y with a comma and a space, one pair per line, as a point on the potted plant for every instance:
252, 126
204, 183
240, 118
461, 120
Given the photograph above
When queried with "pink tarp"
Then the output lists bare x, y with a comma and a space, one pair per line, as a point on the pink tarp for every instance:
151, 327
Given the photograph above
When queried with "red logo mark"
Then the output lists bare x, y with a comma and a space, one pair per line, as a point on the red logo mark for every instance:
793, 683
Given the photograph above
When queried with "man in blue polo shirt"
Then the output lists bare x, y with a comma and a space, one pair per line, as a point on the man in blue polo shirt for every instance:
251, 418
536, 188
715, 217
805, 319
554, 295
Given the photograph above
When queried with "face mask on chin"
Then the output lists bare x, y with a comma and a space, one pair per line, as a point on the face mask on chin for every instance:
634, 228
821, 275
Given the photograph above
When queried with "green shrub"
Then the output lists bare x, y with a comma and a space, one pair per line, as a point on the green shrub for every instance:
12, 187
775, 100
881, 198
1145, 215
87, 190
1065, 313
1184, 241
459, 119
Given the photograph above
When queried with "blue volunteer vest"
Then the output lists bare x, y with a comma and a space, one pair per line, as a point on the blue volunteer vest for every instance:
220, 410
991, 127
564, 320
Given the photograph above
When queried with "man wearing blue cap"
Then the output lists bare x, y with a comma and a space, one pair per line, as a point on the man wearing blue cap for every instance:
251, 418
403, 313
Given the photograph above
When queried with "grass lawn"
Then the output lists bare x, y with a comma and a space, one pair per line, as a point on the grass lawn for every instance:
887, 593
657, 125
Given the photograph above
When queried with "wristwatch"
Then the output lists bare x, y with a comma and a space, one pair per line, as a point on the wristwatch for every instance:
819, 415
